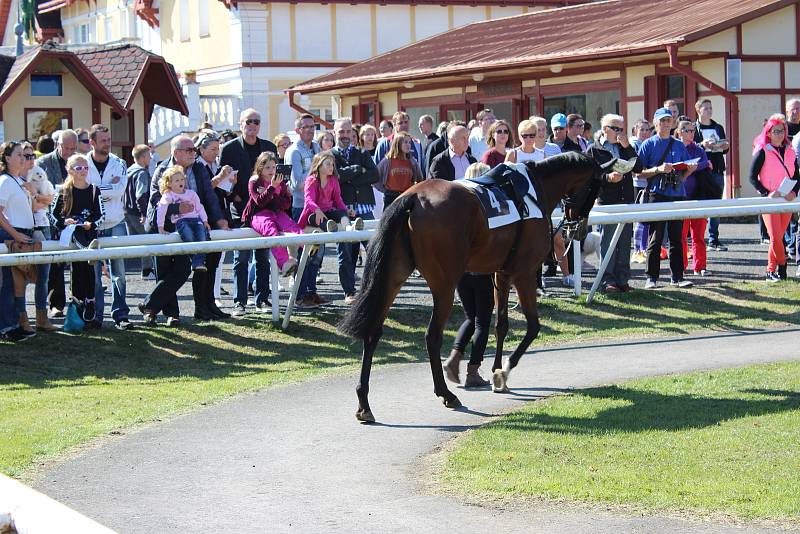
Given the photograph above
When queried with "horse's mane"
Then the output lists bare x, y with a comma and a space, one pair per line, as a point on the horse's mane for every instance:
564, 161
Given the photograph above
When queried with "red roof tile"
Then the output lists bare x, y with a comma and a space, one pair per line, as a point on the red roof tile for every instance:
614, 28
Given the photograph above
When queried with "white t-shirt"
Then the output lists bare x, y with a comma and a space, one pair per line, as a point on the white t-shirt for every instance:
477, 144
16, 202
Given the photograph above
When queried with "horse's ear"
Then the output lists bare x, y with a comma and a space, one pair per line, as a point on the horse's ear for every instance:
606, 166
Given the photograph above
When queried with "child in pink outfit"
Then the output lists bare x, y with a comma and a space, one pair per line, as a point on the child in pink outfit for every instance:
324, 206
265, 211
191, 226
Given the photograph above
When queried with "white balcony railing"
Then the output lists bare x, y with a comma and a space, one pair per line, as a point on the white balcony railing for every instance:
222, 111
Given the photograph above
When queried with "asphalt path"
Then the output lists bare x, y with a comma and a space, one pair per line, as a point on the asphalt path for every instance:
294, 458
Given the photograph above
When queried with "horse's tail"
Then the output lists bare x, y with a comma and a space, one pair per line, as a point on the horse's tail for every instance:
366, 314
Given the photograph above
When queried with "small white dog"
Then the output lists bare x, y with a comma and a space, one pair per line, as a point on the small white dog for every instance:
38, 178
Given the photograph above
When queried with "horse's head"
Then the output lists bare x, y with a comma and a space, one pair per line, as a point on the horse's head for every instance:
576, 181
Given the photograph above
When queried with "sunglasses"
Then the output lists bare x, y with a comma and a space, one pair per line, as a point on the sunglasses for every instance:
187, 149
528, 136
253, 121
80, 168
688, 130
84, 141
285, 145
29, 156
557, 129
615, 128
777, 131
501, 132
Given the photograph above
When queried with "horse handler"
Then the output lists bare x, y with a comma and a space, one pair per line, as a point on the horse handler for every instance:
476, 292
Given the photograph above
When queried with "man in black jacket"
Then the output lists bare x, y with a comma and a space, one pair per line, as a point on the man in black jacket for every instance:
616, 188
453, 162
241, 154
357, 173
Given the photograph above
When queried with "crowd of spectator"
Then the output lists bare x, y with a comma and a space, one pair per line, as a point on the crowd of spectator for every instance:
71, 186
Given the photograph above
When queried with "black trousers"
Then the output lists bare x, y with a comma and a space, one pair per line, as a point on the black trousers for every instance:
81, 281
476, 292
171, 273
56, 289
656, 231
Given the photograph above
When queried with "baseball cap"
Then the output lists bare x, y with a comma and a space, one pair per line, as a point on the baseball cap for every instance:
559, 120
661, 113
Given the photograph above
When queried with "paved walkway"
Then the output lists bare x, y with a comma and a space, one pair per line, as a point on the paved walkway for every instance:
294, 459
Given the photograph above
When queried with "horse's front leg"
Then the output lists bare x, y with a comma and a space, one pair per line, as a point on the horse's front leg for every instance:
527, 300
442, 306
501, 289
364, 413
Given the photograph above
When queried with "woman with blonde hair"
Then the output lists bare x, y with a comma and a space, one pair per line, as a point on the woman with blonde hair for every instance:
533, 142
282, 142
398, 170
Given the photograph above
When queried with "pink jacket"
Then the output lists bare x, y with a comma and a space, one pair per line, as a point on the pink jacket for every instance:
269, 198
773, 171
169, 197
317, 197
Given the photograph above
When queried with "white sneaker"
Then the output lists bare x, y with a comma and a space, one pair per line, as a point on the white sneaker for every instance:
650, 284
681, 283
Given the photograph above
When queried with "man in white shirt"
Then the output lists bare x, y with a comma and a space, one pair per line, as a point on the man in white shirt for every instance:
109, 173
480, 133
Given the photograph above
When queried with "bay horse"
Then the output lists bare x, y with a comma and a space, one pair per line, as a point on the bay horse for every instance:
439, 228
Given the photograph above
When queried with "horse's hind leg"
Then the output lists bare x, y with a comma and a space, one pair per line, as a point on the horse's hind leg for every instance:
502, 286
442, 306
364, 412
527, 300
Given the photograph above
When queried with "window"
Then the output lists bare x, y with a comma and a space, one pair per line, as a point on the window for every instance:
202, 16
674, 89
590, 105
415, 112
120, 129
108, 28
46, 85
325, 113
183, 13
46, 121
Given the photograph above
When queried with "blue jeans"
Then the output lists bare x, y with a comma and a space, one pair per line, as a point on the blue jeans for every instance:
192, 229
116, 269
241, 259
9, 318
43, 273
346, 254
308, 284
713, 223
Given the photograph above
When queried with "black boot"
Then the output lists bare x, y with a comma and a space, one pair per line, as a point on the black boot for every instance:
208, 293
201, 311
782, 272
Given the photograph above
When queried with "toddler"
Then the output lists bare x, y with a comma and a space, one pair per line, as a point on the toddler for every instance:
191, 226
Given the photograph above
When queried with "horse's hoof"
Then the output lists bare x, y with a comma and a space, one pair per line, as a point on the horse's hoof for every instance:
499, 381
452, 402
365, 416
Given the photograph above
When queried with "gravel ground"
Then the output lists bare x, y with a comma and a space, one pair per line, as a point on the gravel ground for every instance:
745, 259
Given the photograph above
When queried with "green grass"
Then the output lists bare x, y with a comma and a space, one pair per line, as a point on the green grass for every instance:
724, 442
59, 391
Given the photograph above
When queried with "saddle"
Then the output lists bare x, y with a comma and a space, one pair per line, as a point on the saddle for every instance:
512, 183
23, 274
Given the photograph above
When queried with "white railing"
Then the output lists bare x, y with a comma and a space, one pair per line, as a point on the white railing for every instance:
136, 246
222, 111
165, 124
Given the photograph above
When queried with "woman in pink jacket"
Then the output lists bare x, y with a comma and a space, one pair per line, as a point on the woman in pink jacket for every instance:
773, 161
265, 211
324, 207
